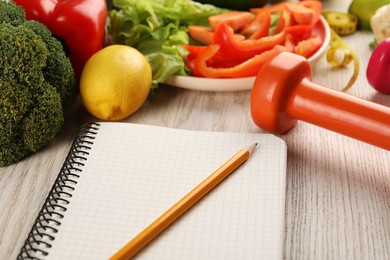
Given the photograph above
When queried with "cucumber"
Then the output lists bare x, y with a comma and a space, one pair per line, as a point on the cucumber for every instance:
235, 4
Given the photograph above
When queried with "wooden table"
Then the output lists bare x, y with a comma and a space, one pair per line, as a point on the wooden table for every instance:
338, 189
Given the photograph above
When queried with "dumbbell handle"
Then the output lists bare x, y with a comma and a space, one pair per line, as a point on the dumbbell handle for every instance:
283, 93
346, 114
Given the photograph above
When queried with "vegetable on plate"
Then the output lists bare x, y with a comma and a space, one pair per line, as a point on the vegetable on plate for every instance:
158, 29
36, 85
80, 24
238, 46
183, 37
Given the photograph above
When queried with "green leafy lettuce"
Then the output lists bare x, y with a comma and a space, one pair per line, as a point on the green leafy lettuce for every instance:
158, 29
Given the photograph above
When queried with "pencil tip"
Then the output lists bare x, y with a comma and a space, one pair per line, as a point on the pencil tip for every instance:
252, 147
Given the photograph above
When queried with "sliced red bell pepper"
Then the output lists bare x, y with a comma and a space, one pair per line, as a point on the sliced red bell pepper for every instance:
247, 68
79, 23
223, 36
314, 5
259, 26
308, 47
300, 13
235, 19
284, 21
204, 35
275, 8
299, 32
218, 60
193, 50
201, 34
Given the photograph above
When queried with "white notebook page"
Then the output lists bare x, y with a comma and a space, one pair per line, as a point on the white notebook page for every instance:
134, 173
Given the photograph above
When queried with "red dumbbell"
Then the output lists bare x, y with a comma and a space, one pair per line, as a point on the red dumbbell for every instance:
283, 93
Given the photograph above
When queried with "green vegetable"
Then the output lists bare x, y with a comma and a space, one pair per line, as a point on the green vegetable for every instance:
36, 85
158, 29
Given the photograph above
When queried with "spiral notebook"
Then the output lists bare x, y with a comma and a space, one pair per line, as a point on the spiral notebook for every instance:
119, 177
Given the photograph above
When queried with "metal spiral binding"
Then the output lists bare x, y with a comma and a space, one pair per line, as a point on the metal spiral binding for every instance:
49, 218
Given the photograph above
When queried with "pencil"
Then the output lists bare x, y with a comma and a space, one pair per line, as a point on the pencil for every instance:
184, 204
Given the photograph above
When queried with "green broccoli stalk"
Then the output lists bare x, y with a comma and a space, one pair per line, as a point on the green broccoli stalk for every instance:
36, 85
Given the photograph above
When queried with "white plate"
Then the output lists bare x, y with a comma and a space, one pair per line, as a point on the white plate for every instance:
237, 84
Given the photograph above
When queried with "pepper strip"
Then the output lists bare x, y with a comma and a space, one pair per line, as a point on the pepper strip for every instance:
340, 54
248, 68
224, 36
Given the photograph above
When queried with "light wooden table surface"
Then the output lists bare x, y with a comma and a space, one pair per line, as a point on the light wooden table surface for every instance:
338, 189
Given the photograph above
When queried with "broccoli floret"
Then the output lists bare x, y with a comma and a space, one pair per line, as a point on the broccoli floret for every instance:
11, 13
56, 62
36, 86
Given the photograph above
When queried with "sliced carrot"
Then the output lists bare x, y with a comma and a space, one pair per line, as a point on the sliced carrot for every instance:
235, 19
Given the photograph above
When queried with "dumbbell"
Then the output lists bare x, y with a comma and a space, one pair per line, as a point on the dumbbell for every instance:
283, 93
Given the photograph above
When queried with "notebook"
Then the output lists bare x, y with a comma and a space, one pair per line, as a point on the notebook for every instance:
119, 177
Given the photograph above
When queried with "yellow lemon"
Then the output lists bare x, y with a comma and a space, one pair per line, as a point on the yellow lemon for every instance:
115, 82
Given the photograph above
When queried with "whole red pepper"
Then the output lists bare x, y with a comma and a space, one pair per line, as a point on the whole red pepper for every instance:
378, 68
79, 23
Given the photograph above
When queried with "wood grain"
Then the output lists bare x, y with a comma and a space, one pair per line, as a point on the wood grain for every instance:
338, 189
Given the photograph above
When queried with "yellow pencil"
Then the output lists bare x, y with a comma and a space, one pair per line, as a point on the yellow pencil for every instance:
160, 224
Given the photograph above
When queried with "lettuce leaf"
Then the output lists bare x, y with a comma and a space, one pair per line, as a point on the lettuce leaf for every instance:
158, 29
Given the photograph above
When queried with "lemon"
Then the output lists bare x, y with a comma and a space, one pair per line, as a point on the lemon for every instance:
115, 82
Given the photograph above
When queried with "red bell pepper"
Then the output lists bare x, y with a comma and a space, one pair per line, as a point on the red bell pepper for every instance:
223, 36
299, 32
308, 47
235, 19
218, 60
247, 68
79, 23
258, 27
378, 68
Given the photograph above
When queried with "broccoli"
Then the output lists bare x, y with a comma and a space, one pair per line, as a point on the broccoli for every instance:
37, 85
